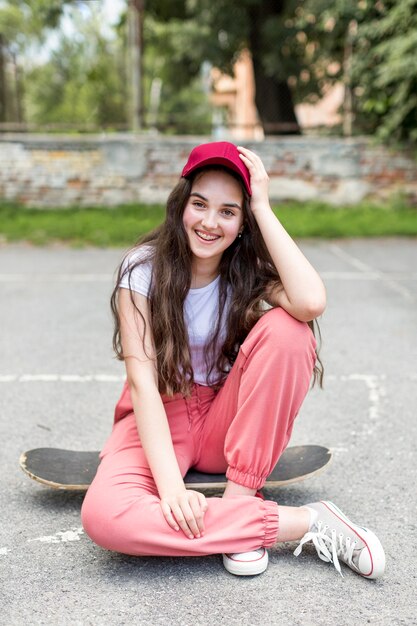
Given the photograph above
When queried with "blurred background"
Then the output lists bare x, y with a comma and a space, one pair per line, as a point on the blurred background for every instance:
252, 67
102, 100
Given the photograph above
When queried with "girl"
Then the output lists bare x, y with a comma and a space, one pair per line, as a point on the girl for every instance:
213, 319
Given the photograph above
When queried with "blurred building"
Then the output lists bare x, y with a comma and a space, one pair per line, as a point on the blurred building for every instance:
234, 101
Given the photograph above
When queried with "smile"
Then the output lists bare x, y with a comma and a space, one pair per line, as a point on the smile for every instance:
206, 237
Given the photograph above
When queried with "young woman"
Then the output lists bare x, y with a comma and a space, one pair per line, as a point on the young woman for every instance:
213, 315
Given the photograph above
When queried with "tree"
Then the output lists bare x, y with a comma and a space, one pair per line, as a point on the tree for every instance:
183, 105
385, 70
372, 47
22, 23
273, 99
3, 97
218, 31
83, 83
299, 49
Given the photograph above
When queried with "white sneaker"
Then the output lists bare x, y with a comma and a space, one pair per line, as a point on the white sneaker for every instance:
246, 563
336, 538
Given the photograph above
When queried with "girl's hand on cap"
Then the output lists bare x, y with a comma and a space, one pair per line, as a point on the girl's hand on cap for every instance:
259, 179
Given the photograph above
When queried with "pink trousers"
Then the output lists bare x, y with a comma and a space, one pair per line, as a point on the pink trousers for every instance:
241, 430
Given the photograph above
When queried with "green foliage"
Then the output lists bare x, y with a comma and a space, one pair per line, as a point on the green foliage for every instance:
217, 31
385, 70
174, 57
372, 47
83, 82
11, 22
21, 20
119, 226
369, 45
23, 25
211, 30
185, 110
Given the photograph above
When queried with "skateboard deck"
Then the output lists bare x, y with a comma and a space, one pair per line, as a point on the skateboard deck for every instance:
74, 470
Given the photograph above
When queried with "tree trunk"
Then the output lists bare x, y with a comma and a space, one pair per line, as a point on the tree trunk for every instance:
135, 17
273, 97
18, 81
275, 106
3, 112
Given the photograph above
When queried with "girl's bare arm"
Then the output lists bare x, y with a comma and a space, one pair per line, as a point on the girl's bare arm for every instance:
302, 293
181, 507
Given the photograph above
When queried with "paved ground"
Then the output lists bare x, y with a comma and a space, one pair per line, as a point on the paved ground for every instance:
58, 386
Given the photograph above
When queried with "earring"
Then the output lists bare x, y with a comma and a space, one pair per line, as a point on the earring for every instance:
239, 235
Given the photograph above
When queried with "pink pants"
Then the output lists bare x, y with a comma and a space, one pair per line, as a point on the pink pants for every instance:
242, 430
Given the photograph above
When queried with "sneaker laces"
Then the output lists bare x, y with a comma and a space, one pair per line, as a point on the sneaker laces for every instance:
330, 546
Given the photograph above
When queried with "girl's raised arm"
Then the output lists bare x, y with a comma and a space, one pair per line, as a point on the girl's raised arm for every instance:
182, 508
302, 294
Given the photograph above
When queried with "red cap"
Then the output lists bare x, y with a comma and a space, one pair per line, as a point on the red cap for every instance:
218, 153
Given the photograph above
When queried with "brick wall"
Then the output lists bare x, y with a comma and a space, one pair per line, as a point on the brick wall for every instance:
46, 171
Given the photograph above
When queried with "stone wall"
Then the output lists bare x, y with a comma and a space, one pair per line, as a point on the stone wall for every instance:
52, 171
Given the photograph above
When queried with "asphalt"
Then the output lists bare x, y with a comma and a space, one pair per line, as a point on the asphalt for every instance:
58, 386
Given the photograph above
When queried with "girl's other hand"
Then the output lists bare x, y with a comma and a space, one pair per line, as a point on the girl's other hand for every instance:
259, 179
185, 510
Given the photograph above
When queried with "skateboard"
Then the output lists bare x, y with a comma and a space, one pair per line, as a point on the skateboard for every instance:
73, 470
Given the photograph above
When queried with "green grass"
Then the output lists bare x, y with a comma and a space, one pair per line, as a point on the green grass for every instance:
121, 226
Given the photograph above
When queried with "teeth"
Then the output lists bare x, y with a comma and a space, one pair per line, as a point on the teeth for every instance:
206, 237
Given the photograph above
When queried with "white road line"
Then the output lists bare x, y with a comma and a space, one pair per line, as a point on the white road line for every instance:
376, 391
353, 261
367, 269
375, 386
61, 536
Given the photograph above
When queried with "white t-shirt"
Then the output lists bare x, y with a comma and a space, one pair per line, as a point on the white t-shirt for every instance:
200, 312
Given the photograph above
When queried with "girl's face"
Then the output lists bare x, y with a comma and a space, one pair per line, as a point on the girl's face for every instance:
213, 215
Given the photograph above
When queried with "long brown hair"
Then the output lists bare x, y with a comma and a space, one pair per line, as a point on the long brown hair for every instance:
246, 273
